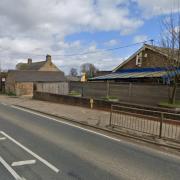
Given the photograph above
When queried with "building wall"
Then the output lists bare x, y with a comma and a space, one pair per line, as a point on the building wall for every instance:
153, 59
49, 66
24, 88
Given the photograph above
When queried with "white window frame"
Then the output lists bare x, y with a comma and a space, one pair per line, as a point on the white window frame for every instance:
139, 59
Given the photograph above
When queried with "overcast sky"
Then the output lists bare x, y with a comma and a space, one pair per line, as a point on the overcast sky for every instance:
34, 28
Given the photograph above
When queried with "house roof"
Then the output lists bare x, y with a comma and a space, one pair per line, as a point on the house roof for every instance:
32, 66
36, 76
73, 78
137, 73
160, 50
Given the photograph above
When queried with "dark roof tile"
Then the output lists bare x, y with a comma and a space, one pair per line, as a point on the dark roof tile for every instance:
36, 76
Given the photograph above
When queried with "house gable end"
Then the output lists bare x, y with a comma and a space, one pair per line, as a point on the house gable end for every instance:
151, 57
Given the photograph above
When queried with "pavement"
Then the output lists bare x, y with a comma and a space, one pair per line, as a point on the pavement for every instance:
80, 114
34, 146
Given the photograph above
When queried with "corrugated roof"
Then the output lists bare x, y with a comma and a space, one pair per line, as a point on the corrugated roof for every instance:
137, 73
36, 76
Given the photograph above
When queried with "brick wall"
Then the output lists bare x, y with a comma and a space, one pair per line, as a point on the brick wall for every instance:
153, 59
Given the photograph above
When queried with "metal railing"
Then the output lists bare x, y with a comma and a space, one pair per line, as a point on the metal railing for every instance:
155, 123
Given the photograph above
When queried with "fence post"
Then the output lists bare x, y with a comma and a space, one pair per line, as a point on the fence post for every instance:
107, 88
110, 121
82, 91
161, 123
130, 91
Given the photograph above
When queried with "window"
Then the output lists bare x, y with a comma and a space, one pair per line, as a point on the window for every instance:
139, 59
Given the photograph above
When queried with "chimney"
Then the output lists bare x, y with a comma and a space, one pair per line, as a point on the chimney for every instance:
29, 60
48, 57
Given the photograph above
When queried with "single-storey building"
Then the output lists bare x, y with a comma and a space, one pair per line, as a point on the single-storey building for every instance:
149, 64
21, 80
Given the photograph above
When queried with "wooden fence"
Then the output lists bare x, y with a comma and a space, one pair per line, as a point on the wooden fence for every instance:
61, 88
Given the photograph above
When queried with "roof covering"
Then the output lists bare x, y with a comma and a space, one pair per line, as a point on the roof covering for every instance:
137, 73
36, 76
32, 66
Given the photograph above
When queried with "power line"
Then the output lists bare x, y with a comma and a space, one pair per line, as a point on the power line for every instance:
89, 52
111, 49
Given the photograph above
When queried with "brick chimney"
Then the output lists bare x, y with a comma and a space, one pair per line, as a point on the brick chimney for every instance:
29, 61
48, 57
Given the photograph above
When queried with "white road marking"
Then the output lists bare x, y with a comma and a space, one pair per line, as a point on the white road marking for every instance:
69, 124
22, 163
13, 173
4, 104
52, 167
108, 137
2, 138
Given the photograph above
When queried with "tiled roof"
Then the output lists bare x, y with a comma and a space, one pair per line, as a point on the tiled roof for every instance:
36, 76
33, 66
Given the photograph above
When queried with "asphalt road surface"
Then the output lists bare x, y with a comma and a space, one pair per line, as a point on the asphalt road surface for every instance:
36, 147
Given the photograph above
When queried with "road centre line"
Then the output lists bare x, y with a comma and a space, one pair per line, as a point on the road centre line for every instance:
8, 167
67, 123
52, 167
22, 163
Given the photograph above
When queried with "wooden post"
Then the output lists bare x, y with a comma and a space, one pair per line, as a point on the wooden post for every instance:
130, 91
107, 89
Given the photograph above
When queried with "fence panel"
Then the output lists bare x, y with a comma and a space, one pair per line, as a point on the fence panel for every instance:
127, 92
171, 128
149, 122
61, 88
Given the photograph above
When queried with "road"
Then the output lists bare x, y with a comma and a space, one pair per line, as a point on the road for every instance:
37, 147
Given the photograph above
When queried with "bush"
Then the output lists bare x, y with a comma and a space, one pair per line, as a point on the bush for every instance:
11, 94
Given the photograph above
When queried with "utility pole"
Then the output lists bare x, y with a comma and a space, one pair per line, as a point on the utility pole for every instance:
152, 42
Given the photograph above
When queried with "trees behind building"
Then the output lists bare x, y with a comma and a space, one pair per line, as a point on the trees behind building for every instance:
73, 72
89, 69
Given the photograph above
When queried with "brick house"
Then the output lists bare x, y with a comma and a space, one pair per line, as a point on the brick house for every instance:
21, 80
148, 64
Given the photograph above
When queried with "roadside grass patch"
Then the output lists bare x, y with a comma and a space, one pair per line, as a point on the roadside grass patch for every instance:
75, 93
110, 98
168, 105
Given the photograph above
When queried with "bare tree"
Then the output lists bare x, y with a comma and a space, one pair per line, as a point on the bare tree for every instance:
89, 69
170, 40
73, 72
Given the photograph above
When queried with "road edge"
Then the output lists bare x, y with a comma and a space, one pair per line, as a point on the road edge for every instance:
105, 130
